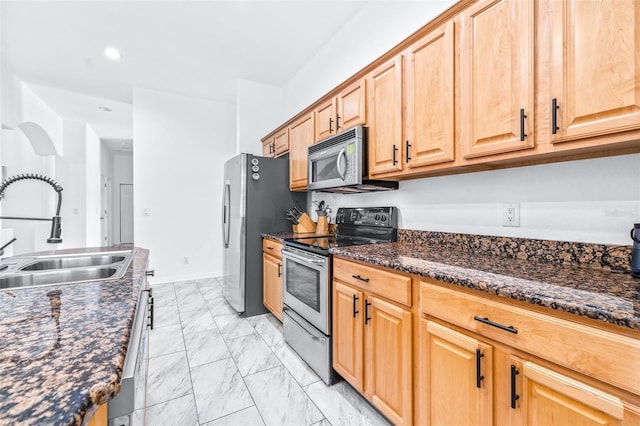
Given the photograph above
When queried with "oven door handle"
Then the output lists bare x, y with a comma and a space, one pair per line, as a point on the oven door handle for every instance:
303, 259
341, 172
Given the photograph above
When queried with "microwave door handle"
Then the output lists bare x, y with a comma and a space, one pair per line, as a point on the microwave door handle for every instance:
342, 153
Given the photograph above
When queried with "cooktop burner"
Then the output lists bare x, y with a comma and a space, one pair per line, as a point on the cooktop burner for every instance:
355, 226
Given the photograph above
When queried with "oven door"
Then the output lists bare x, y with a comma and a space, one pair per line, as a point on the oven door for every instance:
306, 286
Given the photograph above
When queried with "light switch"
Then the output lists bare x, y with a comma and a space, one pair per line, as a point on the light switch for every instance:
146, 211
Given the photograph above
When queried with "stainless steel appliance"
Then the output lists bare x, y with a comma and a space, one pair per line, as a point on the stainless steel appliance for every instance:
307, 281
132, 395
338, 164
256, 196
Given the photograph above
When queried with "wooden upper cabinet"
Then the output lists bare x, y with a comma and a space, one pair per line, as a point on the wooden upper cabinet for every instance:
595, 68
343, 111
429, 125
497, 77
351, 102
268, 147
325, 117
384, 117
281, 142
301, 135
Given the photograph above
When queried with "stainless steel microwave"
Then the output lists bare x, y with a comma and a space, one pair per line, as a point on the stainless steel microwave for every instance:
338, 164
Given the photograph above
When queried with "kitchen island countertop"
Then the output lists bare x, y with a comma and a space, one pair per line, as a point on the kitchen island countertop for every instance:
63, 346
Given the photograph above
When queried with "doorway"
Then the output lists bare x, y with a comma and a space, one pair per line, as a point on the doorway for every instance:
126, 213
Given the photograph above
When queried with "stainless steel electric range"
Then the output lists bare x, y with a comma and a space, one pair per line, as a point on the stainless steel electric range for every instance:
307, 280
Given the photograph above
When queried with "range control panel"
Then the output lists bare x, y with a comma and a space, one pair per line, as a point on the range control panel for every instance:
368, 216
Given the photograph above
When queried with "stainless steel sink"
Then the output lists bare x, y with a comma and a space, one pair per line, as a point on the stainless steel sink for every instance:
33, 271
56, 277
72, 262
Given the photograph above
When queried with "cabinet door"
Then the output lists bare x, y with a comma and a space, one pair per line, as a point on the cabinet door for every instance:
351, 106
388, 349
496, 77
595, 68
384, 107
272, 284
281, 142
325, 115
348, 334
430, 105
300, 137
268, 147
459, 375
548, 397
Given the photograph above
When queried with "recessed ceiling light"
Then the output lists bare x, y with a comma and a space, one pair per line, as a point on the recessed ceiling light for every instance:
105, 109
112, 53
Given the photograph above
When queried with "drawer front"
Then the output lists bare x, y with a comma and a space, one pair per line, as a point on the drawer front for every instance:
393, 286
272, 247
604, 355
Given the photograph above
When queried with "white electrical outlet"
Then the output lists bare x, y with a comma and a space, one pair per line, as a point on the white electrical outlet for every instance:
146, 211
511, 214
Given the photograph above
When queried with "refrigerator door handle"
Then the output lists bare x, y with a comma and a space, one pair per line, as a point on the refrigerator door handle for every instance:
226, 213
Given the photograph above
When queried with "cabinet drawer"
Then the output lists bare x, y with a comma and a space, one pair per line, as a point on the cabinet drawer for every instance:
393, 286
272, 247
604, 355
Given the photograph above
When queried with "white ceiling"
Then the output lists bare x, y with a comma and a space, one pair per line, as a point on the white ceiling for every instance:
192, 48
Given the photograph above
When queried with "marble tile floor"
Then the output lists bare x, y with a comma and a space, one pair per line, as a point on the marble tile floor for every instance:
208, 366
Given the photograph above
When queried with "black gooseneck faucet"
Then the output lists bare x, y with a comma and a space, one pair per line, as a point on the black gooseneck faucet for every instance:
56, 224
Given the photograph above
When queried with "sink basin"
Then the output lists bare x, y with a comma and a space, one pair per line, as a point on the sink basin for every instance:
56, 277
72, 262
33, 271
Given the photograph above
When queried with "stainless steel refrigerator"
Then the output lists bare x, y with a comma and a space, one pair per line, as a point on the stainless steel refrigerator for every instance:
256, 198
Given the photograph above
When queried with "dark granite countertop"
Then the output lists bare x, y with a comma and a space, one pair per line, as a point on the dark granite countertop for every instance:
63, 347
601, 294
278, 236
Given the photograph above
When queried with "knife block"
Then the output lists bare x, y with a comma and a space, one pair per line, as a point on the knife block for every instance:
305, 225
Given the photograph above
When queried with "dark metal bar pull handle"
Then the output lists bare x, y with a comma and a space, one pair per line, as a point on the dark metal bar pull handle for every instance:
406, 152
355, 310
338, 122
510, 328
522, 117
395, 149
554, 116
367, 318
479, 376
330, 125
150, 273
514, 395
150, 323
358, 277
279, 269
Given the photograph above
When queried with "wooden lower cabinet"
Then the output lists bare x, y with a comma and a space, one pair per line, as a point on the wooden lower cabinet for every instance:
459, 381
99, 418
372, 349
348, 329
272, 277
387, 353
474, 371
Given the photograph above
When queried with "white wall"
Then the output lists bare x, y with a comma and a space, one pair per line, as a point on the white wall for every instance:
92, 200
593, 201
180, 147
258, 111
375, 29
